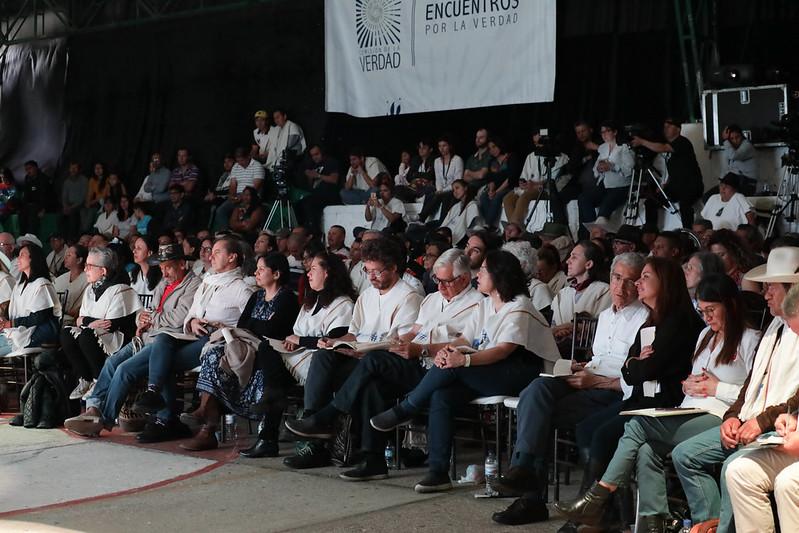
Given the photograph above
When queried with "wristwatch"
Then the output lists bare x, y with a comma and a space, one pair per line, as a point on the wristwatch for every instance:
425, 352
468, 360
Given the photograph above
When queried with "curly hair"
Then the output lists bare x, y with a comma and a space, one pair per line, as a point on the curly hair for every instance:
384, 250
734, 246
506, 274
338, 283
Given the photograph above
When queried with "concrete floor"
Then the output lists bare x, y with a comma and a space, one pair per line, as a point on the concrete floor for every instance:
43, 467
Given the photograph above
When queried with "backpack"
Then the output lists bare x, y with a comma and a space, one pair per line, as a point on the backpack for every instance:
44, 401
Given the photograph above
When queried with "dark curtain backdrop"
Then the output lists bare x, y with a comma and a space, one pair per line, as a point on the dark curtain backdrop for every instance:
196, 82
32, 81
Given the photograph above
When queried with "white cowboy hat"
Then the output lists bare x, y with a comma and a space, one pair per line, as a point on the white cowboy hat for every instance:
29, 237
782, 267
600, 222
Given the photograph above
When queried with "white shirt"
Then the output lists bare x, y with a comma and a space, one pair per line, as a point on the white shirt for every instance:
378, 317
727, 215
558, 282
516, 322
26, 300
379, 220
731, 376
56, 260
592, 300
105, 223
446, 174
359, 279
260, 139
116, 301
373, 167
288, 137
402, 174
74, 289
440, 320
621, 161
139, 284
535, 169
246, 177
540, 294
460, 220
615, 334
220, 298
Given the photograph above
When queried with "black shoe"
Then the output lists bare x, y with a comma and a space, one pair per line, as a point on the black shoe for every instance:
368, 470
308, 428
653, 524
522, 511
518, 481
433, 482
569, 527
589, 508
159, 431
388, 420
308, 456
261, 448
149, 403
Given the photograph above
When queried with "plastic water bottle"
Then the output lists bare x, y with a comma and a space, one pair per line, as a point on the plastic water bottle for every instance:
490, 471
231, 431
686, 526
389, 454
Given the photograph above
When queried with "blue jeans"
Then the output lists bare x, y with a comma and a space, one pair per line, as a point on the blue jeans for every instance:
492, 208
120, 372
168, 356
694, 460
448, 390
356, 196
643, 449
46, 332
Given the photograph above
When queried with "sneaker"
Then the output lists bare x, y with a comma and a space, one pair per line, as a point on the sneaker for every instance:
522, 511
90, 391
308, 428
309, 455
388, 420
368, 470
80, 390
150, 402
434, 482
159, 431
85, 426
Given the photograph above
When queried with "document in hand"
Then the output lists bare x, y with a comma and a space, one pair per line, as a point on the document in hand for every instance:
657, 412
363, 346
766, 440
278, 346
563, 367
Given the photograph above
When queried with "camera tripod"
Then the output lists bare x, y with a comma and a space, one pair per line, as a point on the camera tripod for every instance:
643, 169
283, 213
786, 196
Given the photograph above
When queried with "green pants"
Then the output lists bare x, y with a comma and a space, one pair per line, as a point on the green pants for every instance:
643, 448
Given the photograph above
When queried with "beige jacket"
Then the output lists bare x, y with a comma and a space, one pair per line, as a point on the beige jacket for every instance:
176, 306
241, 346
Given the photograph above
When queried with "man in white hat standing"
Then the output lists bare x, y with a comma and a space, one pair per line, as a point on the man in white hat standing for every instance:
768, 392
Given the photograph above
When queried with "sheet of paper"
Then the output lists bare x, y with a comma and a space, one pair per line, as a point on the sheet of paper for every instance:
651, 388
647, 336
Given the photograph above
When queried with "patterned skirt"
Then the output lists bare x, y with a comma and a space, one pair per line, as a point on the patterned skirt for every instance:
225, 386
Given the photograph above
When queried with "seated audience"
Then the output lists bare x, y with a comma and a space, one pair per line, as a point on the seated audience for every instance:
186, 174
613, 170
729, 247
73, 282
326, 313
755, 411
154, 188
107, 319
432, 251
226, 379
383, 210
55, 259
548, 403
128, 365
381, 376
720, 365
284, 137
508, 341
203, 266
107, 220
751, 237
448, 168
335, 242
740, 157
539, 291
246, 172
177, 216
627, 239
728, 208
322, 173
477, 165
144, 276
360, 181
248, 217
126, 220
703, 229
549, 269
384, 312
667, 245
111, 186
464, 214
503, 177
34, 310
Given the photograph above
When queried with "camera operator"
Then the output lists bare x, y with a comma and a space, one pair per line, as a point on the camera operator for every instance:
322, 179
581, 167
533, 179
684, 183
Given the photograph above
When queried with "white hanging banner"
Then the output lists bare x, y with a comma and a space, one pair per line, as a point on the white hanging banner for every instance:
386, 57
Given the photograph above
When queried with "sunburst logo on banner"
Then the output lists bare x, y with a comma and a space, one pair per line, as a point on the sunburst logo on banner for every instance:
377, 22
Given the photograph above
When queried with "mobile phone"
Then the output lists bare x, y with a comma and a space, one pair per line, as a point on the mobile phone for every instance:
374, 196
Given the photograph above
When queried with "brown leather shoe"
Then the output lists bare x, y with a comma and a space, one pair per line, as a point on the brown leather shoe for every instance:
205, 439
708, 526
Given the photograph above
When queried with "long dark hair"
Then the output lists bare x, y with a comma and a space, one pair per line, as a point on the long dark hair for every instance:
277, 262
123, 215
673, 297
154, 273
720, 288
468, 195
506, 274
734, 246
338, 283
38, 264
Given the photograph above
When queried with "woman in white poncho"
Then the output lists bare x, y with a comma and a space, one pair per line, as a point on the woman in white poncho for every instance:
510, 341
326, 312
464, 214
107, 319
34, 310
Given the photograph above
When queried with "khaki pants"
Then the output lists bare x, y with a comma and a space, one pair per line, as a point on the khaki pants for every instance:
751, 477
516, 206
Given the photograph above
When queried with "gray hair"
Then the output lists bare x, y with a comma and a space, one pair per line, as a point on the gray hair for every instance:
455, 257
632, 260
790, 305
106, 257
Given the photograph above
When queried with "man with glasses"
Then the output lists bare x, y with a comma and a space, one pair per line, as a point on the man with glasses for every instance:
563, 402
384, 375
387, 311
626, 240
7, 245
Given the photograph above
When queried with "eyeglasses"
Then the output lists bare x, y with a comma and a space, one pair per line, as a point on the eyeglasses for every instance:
444, 282
622, 242
377, 274
708, 311
89, 265
627, 283
206, 249
4, 244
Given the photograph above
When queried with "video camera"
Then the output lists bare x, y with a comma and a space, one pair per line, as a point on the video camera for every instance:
641, 152
279, 175
546, 148
788, 127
